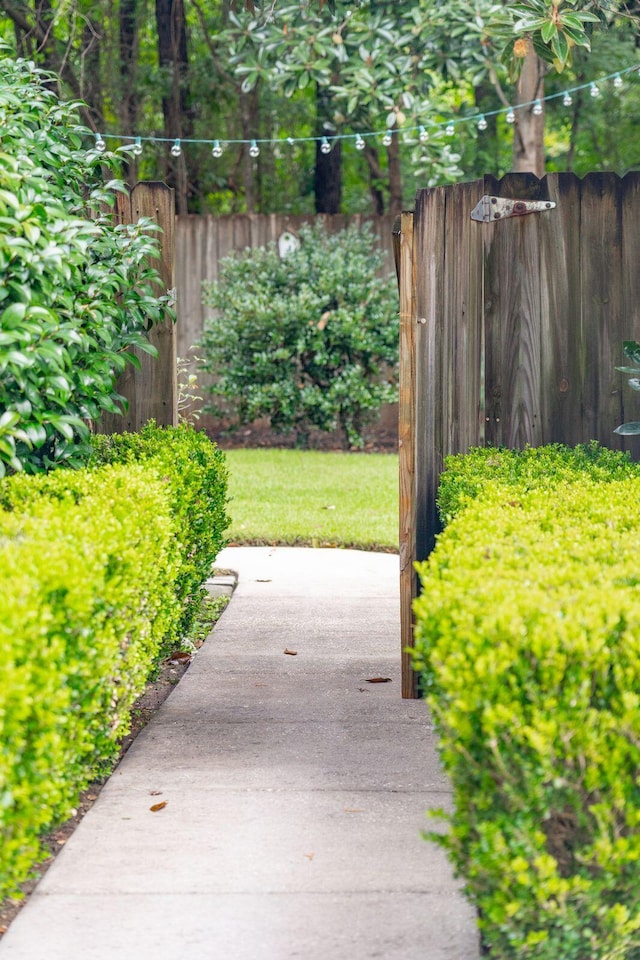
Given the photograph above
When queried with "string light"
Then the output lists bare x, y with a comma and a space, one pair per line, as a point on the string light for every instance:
448, 127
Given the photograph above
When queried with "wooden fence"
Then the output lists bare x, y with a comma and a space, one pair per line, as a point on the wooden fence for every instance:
510, 332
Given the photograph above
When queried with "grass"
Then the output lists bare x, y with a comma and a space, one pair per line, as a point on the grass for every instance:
310, 498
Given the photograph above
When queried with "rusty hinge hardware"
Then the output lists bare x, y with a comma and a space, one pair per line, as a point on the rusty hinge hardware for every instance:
499, 208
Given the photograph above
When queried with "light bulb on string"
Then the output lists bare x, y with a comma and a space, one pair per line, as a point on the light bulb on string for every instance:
618, 82
593, 90
137, 147
482, 123
254, 149
387, 140
449, 132
360, 144
537, 108
423, 135
325, 146
567, 99
100, 144
176, 149
216, 150
511, 116
290, 141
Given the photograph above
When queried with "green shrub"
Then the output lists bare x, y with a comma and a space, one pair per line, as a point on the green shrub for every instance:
309, 340
528, 639
87, 569
196, 473
467, 475
76, 290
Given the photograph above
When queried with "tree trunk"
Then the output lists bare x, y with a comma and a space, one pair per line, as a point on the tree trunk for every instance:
327, 181
395, 176
528, 140
249, 119
176, 107
376, 178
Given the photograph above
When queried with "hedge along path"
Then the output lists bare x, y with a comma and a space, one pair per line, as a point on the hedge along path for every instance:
533, 679
86, 597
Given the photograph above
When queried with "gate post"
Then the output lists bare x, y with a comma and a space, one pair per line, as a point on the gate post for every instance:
407, 449
152, 391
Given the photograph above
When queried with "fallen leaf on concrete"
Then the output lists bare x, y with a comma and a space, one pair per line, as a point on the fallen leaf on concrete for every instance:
363, 690
263, 581
155, 793
158, 806
309, 856
179, 656
379, 680
291, 653
3, 930
349, 810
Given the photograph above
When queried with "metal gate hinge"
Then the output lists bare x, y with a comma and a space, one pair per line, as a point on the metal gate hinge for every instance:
499, 208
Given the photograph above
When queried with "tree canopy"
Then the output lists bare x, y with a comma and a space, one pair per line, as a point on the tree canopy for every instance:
411, 77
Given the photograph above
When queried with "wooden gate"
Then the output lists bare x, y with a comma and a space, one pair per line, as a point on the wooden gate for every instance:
510, 332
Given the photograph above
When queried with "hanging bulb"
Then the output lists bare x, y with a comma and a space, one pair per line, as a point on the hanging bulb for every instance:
254, 149
482, 123
290, 141
511, 116
423, 135
537, 108
137, 147
360, 144
593, 90
325, 146
618, 82
449, 132
388, 138
176, 149
567, 99
216, 149
100, 144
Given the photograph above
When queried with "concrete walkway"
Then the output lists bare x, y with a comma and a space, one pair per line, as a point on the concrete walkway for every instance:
295, 794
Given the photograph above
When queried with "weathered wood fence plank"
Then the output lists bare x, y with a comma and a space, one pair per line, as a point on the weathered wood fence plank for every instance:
151, 392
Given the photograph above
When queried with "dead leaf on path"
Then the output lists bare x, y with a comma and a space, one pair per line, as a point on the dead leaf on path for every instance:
261, 684
158, 806
330, 506
379, 680
309, 856
363, 690
155, 793
350, 810
264, 581
291, 653
179, 656
3, 930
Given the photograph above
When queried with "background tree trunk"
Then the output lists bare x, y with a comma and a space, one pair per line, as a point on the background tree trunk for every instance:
176, 107
528, 140
327, 182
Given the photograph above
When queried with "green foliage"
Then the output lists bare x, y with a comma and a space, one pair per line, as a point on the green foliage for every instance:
195, 473
87, 568
632, 351
76, 291
468, 475
527, 639
309, 340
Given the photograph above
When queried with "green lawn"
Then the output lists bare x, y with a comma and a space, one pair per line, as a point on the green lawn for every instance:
312, 498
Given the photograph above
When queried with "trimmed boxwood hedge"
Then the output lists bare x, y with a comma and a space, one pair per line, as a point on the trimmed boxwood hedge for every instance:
528, 639
97, 568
